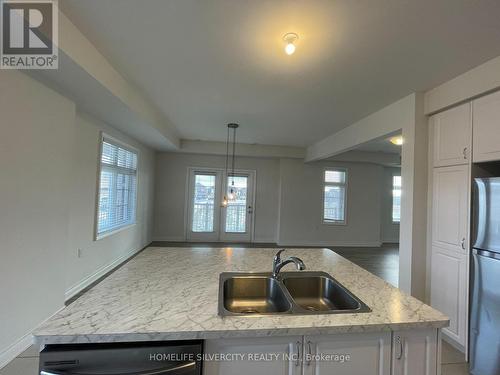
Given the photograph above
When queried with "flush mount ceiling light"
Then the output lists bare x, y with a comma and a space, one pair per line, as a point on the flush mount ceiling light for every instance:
290, 39
397, 140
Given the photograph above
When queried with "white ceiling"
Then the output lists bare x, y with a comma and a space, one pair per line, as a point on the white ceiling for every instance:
380, 145
207, 63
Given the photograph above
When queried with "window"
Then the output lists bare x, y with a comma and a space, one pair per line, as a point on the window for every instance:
396, 199
334, 196
117, 187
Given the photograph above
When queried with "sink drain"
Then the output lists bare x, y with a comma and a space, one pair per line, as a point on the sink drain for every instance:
311, 308
249, 311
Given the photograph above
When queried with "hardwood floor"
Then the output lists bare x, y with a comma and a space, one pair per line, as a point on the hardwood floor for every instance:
381, 261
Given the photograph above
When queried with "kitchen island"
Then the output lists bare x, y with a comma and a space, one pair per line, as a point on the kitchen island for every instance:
172, 294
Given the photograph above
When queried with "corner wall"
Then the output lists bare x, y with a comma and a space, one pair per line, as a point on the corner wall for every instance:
48, 159
301, 221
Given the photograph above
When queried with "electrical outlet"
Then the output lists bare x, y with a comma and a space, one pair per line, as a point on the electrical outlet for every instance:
79, 253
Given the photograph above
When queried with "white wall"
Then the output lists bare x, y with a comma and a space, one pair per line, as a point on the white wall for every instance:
301, 205
288, 200
97, 256
171, 189
48, 164
389, 229
35, 162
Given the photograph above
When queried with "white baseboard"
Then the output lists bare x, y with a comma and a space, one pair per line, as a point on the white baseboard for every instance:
331, 244
169, 239
20, 345
452, 342
78, 287
391, 240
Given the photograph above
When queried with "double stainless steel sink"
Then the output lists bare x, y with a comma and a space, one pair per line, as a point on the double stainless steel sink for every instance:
298, 293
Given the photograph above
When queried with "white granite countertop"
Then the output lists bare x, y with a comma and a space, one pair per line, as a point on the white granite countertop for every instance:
172, 293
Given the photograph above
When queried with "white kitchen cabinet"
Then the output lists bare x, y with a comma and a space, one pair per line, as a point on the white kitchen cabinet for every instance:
450, 207
374, 353
452, 136
354, 354
449, 290
486, 128
251, 356
449, 247
415, 352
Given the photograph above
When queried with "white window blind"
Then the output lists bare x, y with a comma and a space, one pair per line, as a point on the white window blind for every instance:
334, 196
117, 187
396, 199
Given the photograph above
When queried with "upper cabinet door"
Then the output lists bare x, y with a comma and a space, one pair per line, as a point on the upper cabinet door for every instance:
486, 120
452, 136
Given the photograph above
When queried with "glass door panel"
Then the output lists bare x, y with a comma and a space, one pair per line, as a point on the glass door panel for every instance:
237, 216
236, 210
204, 205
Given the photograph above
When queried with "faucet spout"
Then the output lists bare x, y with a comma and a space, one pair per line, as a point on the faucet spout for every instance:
278, 264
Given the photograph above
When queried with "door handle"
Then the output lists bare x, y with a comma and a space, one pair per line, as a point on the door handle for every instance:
297, 361
250, 210
399, 347
182, 366
462, 243
309, 354
465, 152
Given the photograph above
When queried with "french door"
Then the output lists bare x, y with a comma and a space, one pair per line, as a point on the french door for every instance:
208, 218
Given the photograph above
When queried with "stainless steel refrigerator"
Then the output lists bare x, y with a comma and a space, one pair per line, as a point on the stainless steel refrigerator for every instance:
484, 327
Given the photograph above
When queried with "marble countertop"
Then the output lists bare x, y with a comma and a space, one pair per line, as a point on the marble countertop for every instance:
172, 294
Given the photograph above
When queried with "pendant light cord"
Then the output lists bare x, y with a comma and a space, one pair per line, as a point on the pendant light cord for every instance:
227, 151
234, 152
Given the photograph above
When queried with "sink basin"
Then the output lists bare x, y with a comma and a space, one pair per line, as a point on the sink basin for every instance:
319, 293
297, 293
254, 295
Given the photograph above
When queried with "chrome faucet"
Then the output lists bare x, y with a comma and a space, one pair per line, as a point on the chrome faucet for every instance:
278, 264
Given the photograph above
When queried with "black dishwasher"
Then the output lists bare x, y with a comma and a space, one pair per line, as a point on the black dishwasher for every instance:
149, 358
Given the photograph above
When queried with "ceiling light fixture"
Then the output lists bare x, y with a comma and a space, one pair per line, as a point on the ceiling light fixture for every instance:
290, 39
397, 140
231, 195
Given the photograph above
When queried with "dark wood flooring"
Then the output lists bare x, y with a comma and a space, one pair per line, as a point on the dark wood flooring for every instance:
382, 261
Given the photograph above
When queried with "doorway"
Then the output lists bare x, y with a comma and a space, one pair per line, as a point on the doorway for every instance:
210, 221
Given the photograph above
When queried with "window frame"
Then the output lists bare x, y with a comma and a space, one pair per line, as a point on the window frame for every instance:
392, 198
102, 138
346, 187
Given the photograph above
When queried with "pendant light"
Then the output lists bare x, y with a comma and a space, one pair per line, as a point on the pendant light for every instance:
232, 194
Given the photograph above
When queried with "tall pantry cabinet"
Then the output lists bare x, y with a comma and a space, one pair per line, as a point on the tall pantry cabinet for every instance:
451, 141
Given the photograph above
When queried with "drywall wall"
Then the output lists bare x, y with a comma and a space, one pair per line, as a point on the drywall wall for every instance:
49, 161
389, 229
96, 257
406, 115
171, 189
288, 202
301, 205
36, 153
